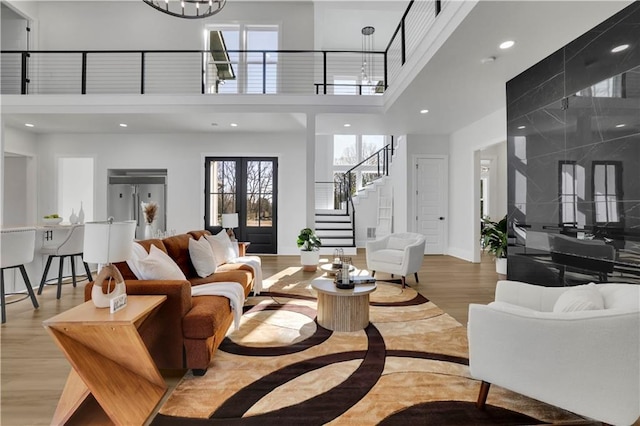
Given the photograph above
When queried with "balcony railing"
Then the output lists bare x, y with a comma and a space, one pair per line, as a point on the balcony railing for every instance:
197, 72
183, 72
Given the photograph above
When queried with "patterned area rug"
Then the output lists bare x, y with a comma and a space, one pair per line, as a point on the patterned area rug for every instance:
409, 366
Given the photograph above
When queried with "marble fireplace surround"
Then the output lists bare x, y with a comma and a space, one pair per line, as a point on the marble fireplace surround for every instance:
573, 148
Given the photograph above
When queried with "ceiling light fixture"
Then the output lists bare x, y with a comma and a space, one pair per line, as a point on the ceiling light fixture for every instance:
367, 57
29, 125
522, 127
620, 48
620, 125
347, 125
507, 44
424, 111
189, 9
123, 125
234, 124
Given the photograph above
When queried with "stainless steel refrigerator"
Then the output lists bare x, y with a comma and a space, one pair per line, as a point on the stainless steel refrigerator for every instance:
128, 189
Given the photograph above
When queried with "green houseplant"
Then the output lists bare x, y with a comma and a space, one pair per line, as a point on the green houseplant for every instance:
493, 237
309, 244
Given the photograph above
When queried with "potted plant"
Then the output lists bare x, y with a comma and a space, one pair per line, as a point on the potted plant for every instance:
494, 241
309, 244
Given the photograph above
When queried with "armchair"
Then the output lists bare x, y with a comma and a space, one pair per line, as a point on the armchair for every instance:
584, 361
401, 254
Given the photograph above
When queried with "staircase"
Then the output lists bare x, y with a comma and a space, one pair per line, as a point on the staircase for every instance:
335, 229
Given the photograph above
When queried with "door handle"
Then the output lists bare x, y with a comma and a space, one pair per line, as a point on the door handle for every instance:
441, 218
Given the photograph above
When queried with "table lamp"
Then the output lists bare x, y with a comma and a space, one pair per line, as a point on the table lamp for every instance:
230, 221
105, 243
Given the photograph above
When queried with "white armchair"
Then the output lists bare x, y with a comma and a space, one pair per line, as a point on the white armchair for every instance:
584, 361
400, 254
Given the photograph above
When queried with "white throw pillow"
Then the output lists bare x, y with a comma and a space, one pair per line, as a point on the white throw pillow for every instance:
137, 253
202, 257
580, 298
159, 266
395, 243
222, 247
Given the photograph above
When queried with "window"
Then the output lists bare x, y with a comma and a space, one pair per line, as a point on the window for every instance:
350, 150
568, 194
484, 195
609, 88
345, 150
249, 48
345, 86
606, 191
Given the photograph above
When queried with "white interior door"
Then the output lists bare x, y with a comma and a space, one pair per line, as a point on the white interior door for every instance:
431, 202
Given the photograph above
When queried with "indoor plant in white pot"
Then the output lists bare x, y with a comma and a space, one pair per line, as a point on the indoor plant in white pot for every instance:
309, 244
494, 240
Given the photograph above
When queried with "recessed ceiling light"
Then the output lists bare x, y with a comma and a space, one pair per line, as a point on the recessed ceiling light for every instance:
424, 111
507, 44
620, 125
29, 125
620, 48
522, 127
123, 125
234, 124
347, 125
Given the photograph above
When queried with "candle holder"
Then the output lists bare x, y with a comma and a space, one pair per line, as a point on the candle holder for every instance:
343, 276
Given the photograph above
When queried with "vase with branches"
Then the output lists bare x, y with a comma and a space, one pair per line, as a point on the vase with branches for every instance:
150, 210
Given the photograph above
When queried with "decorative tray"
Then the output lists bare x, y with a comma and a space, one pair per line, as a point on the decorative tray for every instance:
353, 282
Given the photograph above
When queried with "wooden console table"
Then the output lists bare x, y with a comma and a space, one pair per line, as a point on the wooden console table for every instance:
109, 360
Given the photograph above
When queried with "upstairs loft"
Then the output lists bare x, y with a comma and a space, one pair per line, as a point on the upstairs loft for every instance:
220, 70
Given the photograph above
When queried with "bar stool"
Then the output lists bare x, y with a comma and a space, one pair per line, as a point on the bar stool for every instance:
70, 247
16, 250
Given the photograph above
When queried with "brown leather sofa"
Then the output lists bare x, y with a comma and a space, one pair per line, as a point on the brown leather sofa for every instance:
185, 331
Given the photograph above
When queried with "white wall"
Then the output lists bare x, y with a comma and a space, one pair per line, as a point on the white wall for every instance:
183, 157
22, 144
497, 179
464, 226
398, 173
99, 25
15, 186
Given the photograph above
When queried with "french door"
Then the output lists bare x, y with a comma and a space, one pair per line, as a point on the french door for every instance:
248, 186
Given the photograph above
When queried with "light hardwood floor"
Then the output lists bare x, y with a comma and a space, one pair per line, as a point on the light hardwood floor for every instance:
34, 370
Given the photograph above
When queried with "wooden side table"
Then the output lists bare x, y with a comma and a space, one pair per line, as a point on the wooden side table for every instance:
342, 310
109, 360
242, 248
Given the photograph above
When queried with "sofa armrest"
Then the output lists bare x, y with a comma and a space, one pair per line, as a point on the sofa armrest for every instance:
377, 244
550, 356
530, 296
240, 275
162, 330
413, 257
178, 292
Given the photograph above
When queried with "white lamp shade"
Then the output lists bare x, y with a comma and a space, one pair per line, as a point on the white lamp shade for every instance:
106, 242
230, 220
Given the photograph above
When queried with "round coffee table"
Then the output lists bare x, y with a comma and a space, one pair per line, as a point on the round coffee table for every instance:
329, 269
342, 310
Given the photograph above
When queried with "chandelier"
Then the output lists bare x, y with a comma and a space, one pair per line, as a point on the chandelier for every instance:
367, 55
189, 9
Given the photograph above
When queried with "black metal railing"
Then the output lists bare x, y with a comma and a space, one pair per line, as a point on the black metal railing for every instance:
185, 72
197, 71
